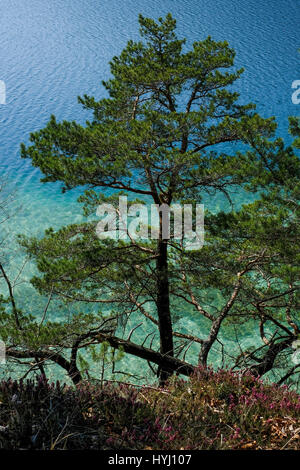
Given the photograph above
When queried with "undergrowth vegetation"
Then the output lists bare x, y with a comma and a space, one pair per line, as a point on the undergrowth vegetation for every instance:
211, 410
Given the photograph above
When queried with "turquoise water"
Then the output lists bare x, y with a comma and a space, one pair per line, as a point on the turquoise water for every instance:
51, 52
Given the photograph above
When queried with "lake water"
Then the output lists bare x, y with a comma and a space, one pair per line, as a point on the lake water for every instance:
51, 52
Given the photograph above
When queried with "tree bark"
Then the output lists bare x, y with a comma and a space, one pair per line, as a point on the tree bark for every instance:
166, 363
71, 369
163, 304
268, 360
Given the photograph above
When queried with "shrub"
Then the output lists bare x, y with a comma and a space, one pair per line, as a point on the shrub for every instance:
212, 410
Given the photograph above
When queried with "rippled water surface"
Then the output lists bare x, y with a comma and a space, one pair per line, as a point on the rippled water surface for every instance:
51, 52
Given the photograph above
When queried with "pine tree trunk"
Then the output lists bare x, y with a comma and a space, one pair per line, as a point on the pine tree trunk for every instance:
163, 307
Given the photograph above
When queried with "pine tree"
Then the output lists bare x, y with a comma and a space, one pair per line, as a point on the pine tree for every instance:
171, 130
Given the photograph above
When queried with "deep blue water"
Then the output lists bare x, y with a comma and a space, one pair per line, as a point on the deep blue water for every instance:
51, 52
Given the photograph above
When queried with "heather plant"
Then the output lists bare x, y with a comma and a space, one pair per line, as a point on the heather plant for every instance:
39, 415
211, 410
227, 410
